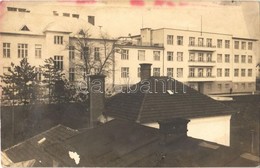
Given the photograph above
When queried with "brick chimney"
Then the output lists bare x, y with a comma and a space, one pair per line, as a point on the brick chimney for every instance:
91, 20
97, 98
172, 130
145, 71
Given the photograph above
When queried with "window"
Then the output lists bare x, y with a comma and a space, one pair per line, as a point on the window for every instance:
141, 55
219, 45
138, 72
84, 53
125, 54
209, 72
243, 72
179, 40
236, 59
249, 72
179, 72
235, 86
219, 58
66, 14
236, 44
6, 50
227, 43
156, 71
236, 72
209, 86
192, 57
200, 72
227, 86
219, 87
96, 54
71, 52
250, 85
179, 56
191, 72
22, 50
227, 58
156, 55
170, 39
250, 46
209, 42
38, 74
71, 74
58, 62
250, 59
200, 42
170, 72
192, 41
209, 57
124, 72
243, 45
201, 57
226, 72
169, 56
58, 39
219, 72
243, 85
243, 58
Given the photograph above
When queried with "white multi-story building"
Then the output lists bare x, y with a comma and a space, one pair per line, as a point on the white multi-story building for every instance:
209, 62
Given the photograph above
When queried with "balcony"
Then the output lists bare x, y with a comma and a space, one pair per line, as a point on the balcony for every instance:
209, 48
201, 78
201, 63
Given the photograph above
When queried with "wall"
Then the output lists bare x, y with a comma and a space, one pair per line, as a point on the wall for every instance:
213, 129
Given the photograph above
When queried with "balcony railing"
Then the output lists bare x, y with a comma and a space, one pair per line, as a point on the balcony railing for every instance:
203, 61
205, 46
201, 78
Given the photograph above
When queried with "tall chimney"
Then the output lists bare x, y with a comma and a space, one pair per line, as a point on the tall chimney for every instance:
173, 129
145, 71
91, 20
96, 98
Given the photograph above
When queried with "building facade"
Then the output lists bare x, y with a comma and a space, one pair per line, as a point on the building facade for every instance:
209, 62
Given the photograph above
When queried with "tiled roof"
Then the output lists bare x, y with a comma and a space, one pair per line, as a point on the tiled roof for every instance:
31, 149
124, 143
160, 105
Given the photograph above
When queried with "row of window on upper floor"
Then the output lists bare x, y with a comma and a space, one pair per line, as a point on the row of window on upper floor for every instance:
200, 42
193, 72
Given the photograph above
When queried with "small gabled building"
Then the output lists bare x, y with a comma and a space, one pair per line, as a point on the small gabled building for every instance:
156, 99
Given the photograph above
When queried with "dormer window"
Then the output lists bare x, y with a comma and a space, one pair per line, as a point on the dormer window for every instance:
25, 28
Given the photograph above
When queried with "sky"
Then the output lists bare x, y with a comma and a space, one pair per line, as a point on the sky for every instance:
120, 18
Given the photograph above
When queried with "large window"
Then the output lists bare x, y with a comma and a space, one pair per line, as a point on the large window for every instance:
71, 52
169, 56
141, 55
243, 72
250, 46
200, 42
192, 41
179, 72
209, 42
170, 39
6, 50
96, 54
58, 39
219, 72
71, 74
58, 62
125, 54
250, 59
192, 57
179, 56
156, 55
219, 58
191, 72
38, 50
227, 43
227, 58
243, 45
200, 72
227, 72
209, 57
219, 43
156, 71
22, 50
209, 72
243, 58
236, 72
236, 44
249, 72
179, 40
236, 58
124, 72
170, 72
200, 57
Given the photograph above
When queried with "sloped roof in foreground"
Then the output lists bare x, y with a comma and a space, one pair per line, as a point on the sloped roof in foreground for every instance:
160, 104
121, 143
